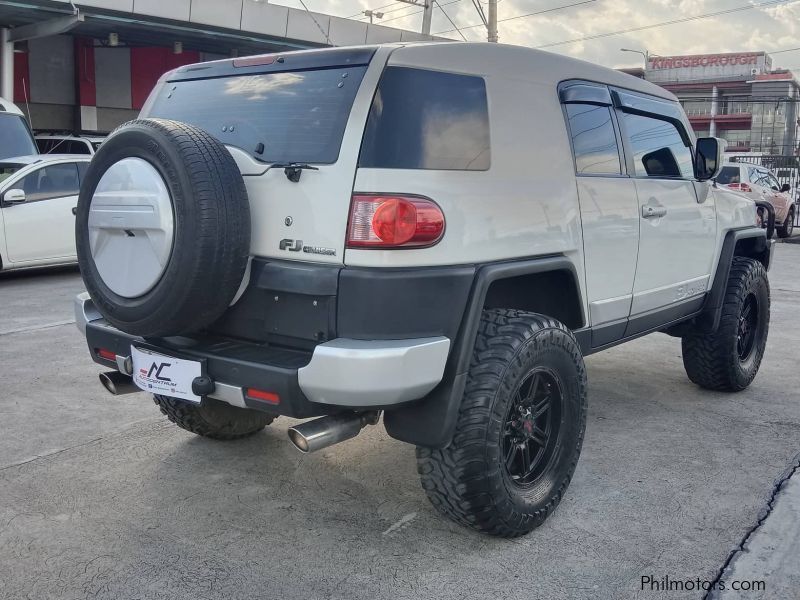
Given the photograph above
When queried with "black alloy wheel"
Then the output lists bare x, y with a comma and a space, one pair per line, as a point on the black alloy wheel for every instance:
530, 433
748, 326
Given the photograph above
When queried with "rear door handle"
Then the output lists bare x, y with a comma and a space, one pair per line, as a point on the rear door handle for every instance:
74, 210
650, 212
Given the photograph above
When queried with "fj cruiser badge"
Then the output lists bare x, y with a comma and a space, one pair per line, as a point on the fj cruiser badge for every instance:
297, 245
291, 245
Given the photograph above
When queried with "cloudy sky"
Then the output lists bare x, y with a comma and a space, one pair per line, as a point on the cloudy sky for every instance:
769, 25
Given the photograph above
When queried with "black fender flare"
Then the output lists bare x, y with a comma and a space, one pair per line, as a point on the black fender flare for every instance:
708, 319
430, 422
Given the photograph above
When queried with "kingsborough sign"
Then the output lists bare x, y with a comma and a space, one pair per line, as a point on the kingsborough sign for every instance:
706, 66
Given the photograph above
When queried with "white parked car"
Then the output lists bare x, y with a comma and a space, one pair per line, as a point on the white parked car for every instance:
37, 198
54, 143
440, 232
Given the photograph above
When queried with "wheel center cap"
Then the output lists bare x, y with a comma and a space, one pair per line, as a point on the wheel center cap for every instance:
131, 227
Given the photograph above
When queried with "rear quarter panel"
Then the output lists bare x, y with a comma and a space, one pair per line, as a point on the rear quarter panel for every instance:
524, 205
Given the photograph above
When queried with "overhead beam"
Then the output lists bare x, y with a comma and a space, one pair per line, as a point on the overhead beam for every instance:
46, 28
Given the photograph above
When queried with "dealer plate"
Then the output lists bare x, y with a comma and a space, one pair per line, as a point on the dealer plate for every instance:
165, 375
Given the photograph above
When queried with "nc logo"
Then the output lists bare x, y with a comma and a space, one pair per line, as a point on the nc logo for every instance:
156, 369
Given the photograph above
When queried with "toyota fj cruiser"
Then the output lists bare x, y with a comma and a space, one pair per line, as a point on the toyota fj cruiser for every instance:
440, 232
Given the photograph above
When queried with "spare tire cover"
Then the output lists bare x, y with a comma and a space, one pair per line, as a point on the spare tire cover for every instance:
162, 228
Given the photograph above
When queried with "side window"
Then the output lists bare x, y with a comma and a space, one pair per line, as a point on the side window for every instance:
594, 142
762, 179
52, 181
77, 147
658, 150
753, 175
427, 120
773, 183
82, 166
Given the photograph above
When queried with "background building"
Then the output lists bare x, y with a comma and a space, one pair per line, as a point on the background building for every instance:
735, 96
90, 64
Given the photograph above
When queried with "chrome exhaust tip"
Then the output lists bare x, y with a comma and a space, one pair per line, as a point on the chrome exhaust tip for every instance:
327, 431
118, 384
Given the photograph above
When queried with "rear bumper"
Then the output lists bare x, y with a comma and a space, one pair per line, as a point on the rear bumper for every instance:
341, 373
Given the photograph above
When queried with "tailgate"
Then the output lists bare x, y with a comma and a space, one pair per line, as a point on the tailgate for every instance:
300, 108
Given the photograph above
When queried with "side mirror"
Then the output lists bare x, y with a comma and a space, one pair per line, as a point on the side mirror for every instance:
708, 157
785, 188
15, 196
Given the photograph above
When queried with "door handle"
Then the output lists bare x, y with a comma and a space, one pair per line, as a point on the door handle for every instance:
74, 210
650, 212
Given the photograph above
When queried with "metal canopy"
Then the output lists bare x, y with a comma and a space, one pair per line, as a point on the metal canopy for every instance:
29, 19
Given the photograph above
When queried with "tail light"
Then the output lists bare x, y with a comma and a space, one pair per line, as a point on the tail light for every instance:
106, 354
392, 221
741, 187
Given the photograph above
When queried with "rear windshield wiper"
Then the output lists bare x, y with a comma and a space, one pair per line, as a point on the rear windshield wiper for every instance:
292, 170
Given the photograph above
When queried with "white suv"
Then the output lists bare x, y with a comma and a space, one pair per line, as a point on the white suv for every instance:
439, 231
761, 185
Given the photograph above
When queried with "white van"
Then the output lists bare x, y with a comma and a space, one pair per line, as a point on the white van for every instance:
16, 138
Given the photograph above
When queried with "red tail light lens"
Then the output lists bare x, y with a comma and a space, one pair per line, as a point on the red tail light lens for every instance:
106, 354
742, 187
268, 397
394, 222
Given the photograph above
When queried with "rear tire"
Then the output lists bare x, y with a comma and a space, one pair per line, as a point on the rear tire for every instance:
519, 430
729, 358
786, 229
212, 418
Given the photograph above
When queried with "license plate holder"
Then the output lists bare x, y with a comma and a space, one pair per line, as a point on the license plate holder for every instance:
167, 375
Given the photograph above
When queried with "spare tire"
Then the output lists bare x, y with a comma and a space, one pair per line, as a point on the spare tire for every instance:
162, 228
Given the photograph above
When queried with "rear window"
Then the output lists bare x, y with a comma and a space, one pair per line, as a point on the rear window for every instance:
62, 146
729, 175
16, 137
427, 120
276, 117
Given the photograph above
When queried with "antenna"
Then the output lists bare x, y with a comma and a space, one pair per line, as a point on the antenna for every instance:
27, 106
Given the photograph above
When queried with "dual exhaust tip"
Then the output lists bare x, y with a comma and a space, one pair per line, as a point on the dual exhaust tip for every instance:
306, 437
327, 431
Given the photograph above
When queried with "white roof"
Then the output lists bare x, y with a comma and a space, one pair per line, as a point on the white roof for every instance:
9, 107
46, 158
69, 136
506, 60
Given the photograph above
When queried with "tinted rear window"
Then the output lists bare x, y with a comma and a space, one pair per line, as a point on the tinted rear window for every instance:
16, 137
427, 120
297, 116
729, 175
62, 146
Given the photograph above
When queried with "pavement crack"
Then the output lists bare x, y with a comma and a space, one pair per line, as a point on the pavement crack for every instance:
712, 592
68, 448
37, 327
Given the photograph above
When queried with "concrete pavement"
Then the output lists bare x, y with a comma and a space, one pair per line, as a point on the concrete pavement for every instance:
101, 497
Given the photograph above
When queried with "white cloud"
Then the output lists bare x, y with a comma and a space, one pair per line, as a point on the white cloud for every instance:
760, 28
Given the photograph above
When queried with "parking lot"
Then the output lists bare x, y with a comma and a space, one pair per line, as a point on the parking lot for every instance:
102, 497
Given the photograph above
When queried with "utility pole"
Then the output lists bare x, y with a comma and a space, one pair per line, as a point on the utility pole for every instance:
427, 15
491, 25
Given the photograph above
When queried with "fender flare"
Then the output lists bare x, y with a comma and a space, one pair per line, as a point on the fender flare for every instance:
709, 317
430, 422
